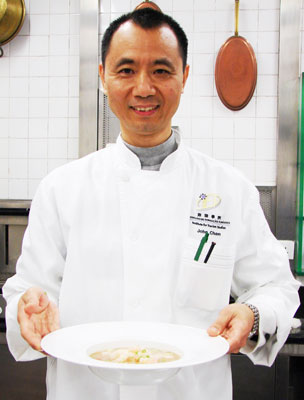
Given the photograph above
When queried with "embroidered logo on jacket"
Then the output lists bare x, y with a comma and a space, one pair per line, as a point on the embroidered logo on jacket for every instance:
208, 201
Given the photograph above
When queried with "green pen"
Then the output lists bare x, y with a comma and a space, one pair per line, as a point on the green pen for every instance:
200, 247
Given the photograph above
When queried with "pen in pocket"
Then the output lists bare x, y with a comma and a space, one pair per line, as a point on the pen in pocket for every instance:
200, 247
209, 252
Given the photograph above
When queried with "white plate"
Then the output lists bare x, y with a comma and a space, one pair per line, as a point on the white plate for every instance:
76, 343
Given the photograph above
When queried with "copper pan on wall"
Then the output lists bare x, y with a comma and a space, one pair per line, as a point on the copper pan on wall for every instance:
149, 4
236, 70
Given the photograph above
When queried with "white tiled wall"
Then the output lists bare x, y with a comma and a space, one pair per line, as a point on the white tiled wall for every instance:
39, 88
39, 96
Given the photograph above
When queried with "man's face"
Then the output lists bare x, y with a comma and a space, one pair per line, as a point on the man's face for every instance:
143, 79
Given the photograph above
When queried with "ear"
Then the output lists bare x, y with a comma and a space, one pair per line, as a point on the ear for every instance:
185, 76
102, 77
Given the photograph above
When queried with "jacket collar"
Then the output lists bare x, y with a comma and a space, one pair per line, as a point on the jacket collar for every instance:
131, 160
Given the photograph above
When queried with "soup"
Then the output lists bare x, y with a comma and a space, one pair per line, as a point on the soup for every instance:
135, 355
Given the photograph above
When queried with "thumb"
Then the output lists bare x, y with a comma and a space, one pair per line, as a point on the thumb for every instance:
219, 325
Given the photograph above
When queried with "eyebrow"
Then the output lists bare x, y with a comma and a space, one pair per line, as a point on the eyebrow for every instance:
159, 61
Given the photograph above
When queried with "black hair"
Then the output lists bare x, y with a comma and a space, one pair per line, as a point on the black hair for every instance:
146, 18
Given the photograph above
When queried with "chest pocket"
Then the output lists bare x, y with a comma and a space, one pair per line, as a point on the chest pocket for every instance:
205, 285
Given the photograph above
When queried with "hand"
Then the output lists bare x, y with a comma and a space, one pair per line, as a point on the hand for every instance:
234, 323
37, 316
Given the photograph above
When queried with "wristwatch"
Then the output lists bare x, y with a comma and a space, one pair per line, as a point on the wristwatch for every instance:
255, 328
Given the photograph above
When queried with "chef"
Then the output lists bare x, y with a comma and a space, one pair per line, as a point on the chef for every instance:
149, 230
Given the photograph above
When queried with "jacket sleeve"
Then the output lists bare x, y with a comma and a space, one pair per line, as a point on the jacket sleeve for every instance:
263, 278
41, 264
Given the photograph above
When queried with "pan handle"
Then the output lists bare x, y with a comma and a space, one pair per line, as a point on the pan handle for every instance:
237, 3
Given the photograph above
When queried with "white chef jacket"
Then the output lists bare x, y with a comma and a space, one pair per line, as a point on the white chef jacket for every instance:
109, 241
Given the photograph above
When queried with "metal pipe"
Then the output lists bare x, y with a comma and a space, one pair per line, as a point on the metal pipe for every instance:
288, 119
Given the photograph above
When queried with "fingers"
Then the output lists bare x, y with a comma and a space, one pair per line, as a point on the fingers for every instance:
35, 300
234, 324
37, 317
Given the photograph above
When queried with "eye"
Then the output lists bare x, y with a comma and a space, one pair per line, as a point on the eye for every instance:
126, 71
161, 71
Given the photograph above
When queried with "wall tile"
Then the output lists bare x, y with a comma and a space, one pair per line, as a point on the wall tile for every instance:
4, 67
4, 87
58, 127
202, 107
73, 107
75, 6
265, 172
223, 128
204, 21
223, 149
39, 87
40, 24
267, 85
244, 128
60, 24
18, 128
72, 149
18, 148
118, 6
32, 187
39, 66
105, 6
59, 87
4, 107
203, 42
74, 45
59, 45
38, 127
3, 148
58, 107
18, 107
266, 149
205, 5
37, 148
267, 107
247, 167
268, 64
269, 20
268, 42
18, 189
203, 145
3, 169
19, 87
74, 24
203, 85
3, 188
18, 169
73, 128
73, 86
39, 45
37, 169
59, 6
20, 46
59, 66
201, 128
266, 128
38, 107
244, 149
4, 127
39, 6
203, 64
19, 66
55, 163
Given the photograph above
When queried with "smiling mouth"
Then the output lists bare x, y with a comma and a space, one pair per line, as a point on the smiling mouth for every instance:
145, 109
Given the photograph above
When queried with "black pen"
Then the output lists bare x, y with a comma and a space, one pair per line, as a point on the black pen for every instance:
209, 252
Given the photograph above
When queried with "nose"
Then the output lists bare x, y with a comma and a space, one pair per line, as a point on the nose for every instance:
143, 86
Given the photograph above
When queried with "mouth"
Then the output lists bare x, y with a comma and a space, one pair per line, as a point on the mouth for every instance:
144, 110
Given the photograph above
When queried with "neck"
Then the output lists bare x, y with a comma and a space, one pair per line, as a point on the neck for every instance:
143, 140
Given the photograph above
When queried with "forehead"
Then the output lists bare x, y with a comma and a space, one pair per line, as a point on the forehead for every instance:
133, 40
